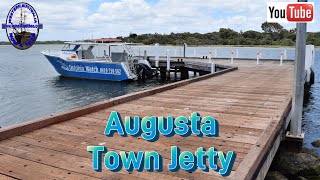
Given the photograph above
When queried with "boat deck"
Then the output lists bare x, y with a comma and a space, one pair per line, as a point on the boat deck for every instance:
250, 104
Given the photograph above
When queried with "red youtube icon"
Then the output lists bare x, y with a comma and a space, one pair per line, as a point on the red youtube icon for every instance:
300, 12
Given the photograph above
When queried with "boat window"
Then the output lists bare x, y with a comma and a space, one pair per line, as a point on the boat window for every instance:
86, 47
70, 47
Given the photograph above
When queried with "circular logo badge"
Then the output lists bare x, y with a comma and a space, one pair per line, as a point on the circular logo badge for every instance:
22, 26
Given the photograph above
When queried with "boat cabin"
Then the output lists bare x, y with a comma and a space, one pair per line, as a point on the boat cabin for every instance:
81, 51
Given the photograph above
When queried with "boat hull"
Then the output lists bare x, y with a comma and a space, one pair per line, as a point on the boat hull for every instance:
115, 71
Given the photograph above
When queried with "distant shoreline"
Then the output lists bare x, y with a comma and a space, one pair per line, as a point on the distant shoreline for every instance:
208, 45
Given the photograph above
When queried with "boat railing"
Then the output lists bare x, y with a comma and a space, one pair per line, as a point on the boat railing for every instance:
51, 52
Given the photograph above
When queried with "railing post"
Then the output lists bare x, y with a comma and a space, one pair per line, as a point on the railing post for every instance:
145, 54
285, 54
184, 49
168, 64
281, 58
213, 67
258, 56
168, 60
232, 57
210, 57
157, 54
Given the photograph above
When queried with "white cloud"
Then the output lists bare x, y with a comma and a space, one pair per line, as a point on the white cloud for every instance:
74, 19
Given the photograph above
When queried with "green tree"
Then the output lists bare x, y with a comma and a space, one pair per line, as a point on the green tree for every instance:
227, 33
273, 29
132, 35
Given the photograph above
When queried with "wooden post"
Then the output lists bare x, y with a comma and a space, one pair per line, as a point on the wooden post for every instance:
298, 88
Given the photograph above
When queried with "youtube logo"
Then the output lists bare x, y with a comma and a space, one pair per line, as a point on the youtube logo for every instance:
299, 12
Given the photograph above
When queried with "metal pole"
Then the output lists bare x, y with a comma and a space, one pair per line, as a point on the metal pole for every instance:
145, 54
184, 49
213, 68
299, 72
168, 60
231, 57
157, 54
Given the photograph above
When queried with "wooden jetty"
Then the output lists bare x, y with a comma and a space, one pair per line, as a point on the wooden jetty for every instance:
251, 103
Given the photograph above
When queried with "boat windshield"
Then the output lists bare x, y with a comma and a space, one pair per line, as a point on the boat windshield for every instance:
75, 47
70, 47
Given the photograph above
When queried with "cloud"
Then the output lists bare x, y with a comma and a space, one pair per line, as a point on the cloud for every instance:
77, 19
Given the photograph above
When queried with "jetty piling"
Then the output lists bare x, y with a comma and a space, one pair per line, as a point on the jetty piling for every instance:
295, 137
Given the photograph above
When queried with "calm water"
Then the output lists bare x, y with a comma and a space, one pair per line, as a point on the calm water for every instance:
311, 115
30, 88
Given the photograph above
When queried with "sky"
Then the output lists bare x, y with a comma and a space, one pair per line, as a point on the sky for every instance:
84, 19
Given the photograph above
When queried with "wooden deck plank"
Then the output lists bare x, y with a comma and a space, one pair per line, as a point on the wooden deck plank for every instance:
248, 104
21, 168
6, 177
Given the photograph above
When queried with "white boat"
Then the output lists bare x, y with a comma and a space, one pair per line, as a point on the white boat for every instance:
76, 59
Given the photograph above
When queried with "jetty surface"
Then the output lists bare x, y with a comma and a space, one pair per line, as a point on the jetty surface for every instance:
251, 103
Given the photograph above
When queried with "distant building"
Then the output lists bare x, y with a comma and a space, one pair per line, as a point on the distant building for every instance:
106, 40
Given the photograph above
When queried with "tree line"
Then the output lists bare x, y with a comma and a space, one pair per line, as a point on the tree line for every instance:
273, 34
